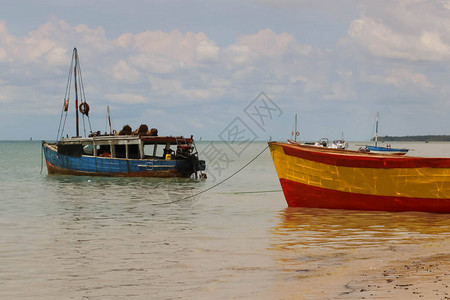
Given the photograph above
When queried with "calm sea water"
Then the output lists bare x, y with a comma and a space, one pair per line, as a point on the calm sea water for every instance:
65, 237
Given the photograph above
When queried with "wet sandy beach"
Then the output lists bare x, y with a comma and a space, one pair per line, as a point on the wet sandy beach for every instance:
417, 276
406, 259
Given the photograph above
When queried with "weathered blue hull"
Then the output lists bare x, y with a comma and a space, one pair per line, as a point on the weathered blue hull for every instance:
104, 166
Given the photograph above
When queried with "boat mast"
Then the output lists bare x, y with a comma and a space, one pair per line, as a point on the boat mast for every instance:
376, 132
76, 90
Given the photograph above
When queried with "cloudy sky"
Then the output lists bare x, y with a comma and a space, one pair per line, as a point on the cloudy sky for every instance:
192, 67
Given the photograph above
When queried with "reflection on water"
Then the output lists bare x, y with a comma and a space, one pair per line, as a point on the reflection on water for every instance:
157, 191
323, 228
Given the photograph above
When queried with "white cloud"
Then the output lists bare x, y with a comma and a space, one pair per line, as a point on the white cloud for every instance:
124, 98
189, 49
175, 88
343, 88
206, 51
265, 45
267, 42
158, 64
307, 85
432, 44
3, 55
57, 56
401, 78
409, 30
238, 54
381, 40
47, 49
177, 65
125, 73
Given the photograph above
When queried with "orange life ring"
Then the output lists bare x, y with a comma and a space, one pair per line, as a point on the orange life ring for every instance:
84, 108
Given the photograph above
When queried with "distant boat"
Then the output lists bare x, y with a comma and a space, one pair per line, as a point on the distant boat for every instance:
387, 150
140, 153
323, 142
321, 177
339, 144
383, 150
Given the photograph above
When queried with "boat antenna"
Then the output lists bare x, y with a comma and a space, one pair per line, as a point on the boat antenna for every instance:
295, 126
109, 119
295, 133
376, 132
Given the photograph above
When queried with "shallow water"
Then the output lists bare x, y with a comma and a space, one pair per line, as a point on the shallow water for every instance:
114, 238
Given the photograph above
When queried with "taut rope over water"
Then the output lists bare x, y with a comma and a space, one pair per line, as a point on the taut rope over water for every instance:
219, 183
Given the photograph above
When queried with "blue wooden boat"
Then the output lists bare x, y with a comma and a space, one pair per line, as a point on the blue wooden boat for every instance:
387, 150
123, 156
383, 150
140, 153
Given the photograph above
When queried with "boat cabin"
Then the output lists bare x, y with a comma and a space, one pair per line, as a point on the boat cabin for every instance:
128, 147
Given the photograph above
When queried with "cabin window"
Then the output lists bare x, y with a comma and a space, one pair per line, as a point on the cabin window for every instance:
104, 151
75, 150
120, 151
149, 150
89, 149
155, 150
133, 151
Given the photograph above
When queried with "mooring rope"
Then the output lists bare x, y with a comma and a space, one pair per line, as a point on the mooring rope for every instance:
217, 184
42, 154
253, 192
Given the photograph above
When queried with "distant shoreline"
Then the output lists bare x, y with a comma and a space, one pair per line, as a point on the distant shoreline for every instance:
415, 138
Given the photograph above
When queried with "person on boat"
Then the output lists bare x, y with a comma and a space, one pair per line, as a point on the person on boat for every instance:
166, 151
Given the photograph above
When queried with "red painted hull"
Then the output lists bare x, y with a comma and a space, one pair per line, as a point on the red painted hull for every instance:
301, 195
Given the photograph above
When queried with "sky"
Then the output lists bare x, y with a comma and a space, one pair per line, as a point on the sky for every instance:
195, 67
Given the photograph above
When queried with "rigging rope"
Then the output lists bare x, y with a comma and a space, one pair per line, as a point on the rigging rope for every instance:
62, 123
83, 97
66, 96
219, 183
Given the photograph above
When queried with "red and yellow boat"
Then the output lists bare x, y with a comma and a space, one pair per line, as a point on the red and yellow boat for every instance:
344, 179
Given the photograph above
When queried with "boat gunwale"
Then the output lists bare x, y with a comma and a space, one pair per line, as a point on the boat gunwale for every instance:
338, 151
134, 138
356, 159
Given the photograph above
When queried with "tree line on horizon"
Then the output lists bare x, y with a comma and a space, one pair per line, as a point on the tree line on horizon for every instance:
414, 138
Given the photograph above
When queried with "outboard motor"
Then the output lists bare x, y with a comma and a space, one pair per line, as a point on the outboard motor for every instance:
201, 165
